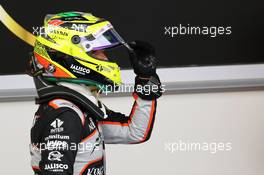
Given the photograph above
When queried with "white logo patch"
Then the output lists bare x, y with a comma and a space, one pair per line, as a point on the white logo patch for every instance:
56, 144
56, 124
57, 136
56, 167
80, 70
55, 156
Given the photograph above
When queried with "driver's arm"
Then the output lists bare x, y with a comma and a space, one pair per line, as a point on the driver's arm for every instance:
135, 128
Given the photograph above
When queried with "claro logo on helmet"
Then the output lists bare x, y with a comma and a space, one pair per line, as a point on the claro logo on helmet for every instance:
80, 70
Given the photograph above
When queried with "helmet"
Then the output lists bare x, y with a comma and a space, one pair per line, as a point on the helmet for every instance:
66, 45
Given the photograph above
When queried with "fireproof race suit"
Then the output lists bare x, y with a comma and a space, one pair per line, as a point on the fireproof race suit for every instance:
66, 139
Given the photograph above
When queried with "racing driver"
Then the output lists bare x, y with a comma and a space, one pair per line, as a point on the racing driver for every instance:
70, 68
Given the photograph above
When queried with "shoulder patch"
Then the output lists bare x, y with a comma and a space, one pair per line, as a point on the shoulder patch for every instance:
59, 103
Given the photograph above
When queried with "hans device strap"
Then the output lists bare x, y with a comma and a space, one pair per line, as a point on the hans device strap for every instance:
51, 92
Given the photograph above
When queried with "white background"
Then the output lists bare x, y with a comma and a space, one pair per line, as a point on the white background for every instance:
235, 117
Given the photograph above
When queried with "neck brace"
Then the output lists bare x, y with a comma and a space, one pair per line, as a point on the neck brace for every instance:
82, 89
77, 94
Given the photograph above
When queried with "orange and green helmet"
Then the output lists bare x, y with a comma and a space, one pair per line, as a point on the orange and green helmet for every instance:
65, 45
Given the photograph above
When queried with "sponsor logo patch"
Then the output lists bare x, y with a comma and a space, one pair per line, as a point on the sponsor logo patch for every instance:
80, 69
59, 32
96, 171
57, 136
56, 124
56, 144
55, 156
56, 167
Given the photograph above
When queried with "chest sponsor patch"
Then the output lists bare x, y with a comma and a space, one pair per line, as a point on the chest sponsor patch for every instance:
56, 167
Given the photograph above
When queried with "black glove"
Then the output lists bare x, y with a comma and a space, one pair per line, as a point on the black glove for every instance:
143, 58
144, 62
148, 89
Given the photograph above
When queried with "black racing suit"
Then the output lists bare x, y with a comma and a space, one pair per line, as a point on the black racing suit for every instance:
66, 139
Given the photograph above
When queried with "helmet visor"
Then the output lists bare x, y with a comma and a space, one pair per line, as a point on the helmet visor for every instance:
107, 45
107, 39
